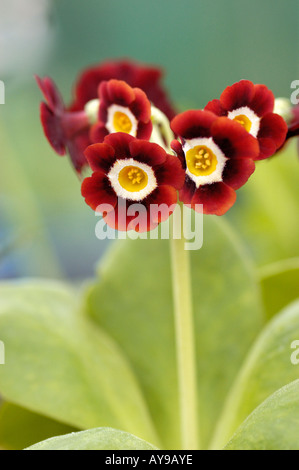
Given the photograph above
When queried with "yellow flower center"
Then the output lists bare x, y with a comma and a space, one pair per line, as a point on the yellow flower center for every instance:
132, 179
121, 122
201, 161
244, 121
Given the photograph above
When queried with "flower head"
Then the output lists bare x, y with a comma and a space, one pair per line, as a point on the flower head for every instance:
128, 171
65, 131
136, 75
71, 129
218, 156
252, 106
122, 109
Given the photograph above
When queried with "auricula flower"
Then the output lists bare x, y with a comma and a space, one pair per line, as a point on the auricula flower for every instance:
127, 173
122, 109
145, 77
218, 156
68, 128
252, 106
66, 131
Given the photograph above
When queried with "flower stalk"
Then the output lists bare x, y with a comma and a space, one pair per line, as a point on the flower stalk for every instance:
185, 341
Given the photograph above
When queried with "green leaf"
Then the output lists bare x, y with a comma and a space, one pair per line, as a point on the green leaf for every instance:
273, 425
269, 367
132, 301
95, 439
267, 212
280, 285
21, 428
60, 366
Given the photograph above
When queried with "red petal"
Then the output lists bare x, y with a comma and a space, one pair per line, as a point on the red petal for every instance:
120, 92
121, 144
144, 130
216, 198
100, 157
119, 219
98, 132
104, 101
263, 100
141, 107
238, 95
147, 152
192, 124
103, 92
51, 93
233, 139
238, 171
76, 147
267, 148
97, 190
178, 149
164, 196
88, 83
136, 75
52, 128
171, 173
187, 192
272, 134
215, 107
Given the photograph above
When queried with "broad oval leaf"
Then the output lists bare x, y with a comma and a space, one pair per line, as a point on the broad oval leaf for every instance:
273, 425
280, 285
132, 301
267, 215
95, 439
59, 365
271, 364
21, 428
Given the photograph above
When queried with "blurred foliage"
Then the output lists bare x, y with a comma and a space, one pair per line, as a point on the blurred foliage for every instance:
273, 425
95, 439
227, 306
267, 368
20, 428
122, 373
280, 285
58, 365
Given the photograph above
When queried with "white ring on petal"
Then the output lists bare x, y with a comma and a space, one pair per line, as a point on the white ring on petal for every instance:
214, 177
113, 176
114, 108
254, 119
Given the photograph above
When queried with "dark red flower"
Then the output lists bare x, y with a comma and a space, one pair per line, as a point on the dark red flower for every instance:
122, 109
136, 75
65, 131
252, 106
218, 156
129, 172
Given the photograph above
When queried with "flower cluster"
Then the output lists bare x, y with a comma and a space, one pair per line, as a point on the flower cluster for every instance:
71, 128
120, 125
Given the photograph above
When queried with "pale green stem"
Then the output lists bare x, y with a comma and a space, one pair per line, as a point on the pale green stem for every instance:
185, 341
161, 122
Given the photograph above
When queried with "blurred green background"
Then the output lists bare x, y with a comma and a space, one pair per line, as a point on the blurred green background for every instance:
45, 227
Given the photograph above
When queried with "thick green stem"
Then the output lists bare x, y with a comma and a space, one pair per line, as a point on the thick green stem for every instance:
185, 341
